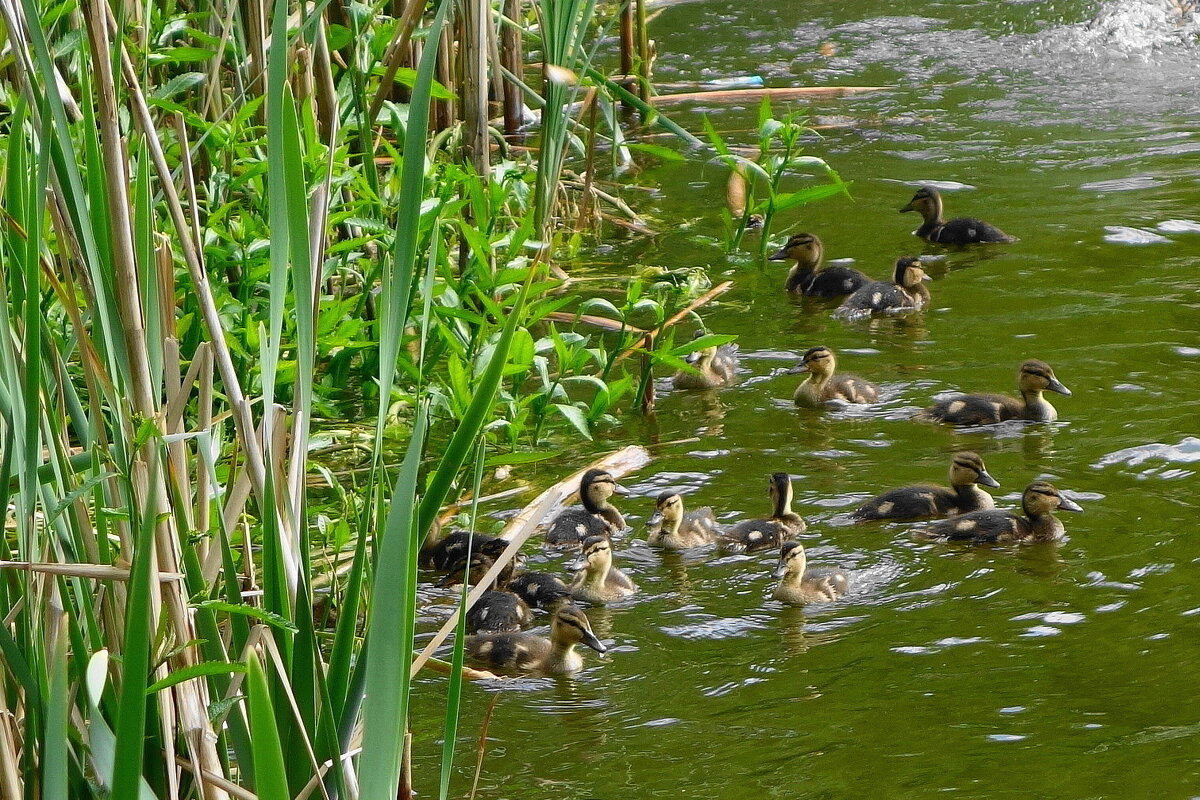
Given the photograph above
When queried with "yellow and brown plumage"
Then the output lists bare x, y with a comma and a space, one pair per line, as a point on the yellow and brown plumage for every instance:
596, 516
1033, 378
823, 384
673, 528
597, 580
783, 524
1036, 523
529, 652
808, 277
964, 230
799, 585
904, 292
926, 500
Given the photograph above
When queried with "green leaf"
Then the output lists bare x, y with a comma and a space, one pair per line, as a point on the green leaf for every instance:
196, 671
180, 84
270, 775
658, 151
576, 417
260, 614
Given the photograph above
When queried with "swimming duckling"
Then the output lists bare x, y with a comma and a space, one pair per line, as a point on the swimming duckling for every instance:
1033, 378
596, 515
597, 580
964, 230
905, 292
757, 534
1038, 502
799, 585
527, 651
716, 367
673, 528
807, 277
539, 589
927, 500
495, 610
449, 550
821, 385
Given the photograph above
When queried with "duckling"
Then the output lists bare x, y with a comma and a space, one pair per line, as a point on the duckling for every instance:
964, 230
798, 585
443, 553
757, 534
716, 367
597, 515
821, 385
674, 529
905, 292
807, 277
527, 651
539, 589
926, 500
1033, 378
1038, 502
495, 611
597, 581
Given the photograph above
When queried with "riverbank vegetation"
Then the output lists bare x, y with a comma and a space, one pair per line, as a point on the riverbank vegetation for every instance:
275, 287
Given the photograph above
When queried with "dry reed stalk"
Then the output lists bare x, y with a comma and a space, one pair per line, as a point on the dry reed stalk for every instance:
98, 572
476, 21
645, 57
394, 56
736, 189
445, 112
481, 742
628, 40
522, 526
512, 58
747, 95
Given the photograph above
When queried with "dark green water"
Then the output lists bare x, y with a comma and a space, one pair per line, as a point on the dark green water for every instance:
1066, 670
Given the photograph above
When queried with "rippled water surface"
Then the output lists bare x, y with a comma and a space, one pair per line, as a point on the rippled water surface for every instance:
1065, 670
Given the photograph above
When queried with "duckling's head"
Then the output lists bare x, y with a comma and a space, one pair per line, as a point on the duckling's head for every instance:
927, 202
702, 357
1036, 376
1040, 497
819, 360
472, 570
908, 272
596, 555
668, 509
967, 468
792, 560
570, 625
803, 248
780, 490
598, 485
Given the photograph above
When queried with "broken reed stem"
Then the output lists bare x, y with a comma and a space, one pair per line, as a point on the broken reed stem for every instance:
512, 58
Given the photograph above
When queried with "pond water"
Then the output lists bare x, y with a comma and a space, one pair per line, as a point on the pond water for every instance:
1065, 670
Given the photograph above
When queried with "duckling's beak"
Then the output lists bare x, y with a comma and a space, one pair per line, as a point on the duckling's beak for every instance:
988, 480
779, 255
591, 641
453, 579
909, 207
1067, 504
692, 357
925, 276
579, 563
801, 367
655, 519
623, 492
1056, 386
780, 570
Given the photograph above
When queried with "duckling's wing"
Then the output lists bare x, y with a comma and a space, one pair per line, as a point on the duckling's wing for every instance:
852, 389
498, 612
908, 502
966, 230
538, 589
835, 282
574, 525
754, 534
980, 526
975, 409
701, 521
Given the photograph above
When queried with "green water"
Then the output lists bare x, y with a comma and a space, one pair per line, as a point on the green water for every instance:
1065, 670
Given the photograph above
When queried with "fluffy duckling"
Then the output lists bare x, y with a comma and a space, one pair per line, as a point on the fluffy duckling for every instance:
1038, 502
539, 589
496, 611
905, 292
716, 367
451, 549
596, 515
822, 385
783, 524
675, 529
927, 500
597, 581
964, 230
799, 585
527, 651
1033, 378
807, 277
